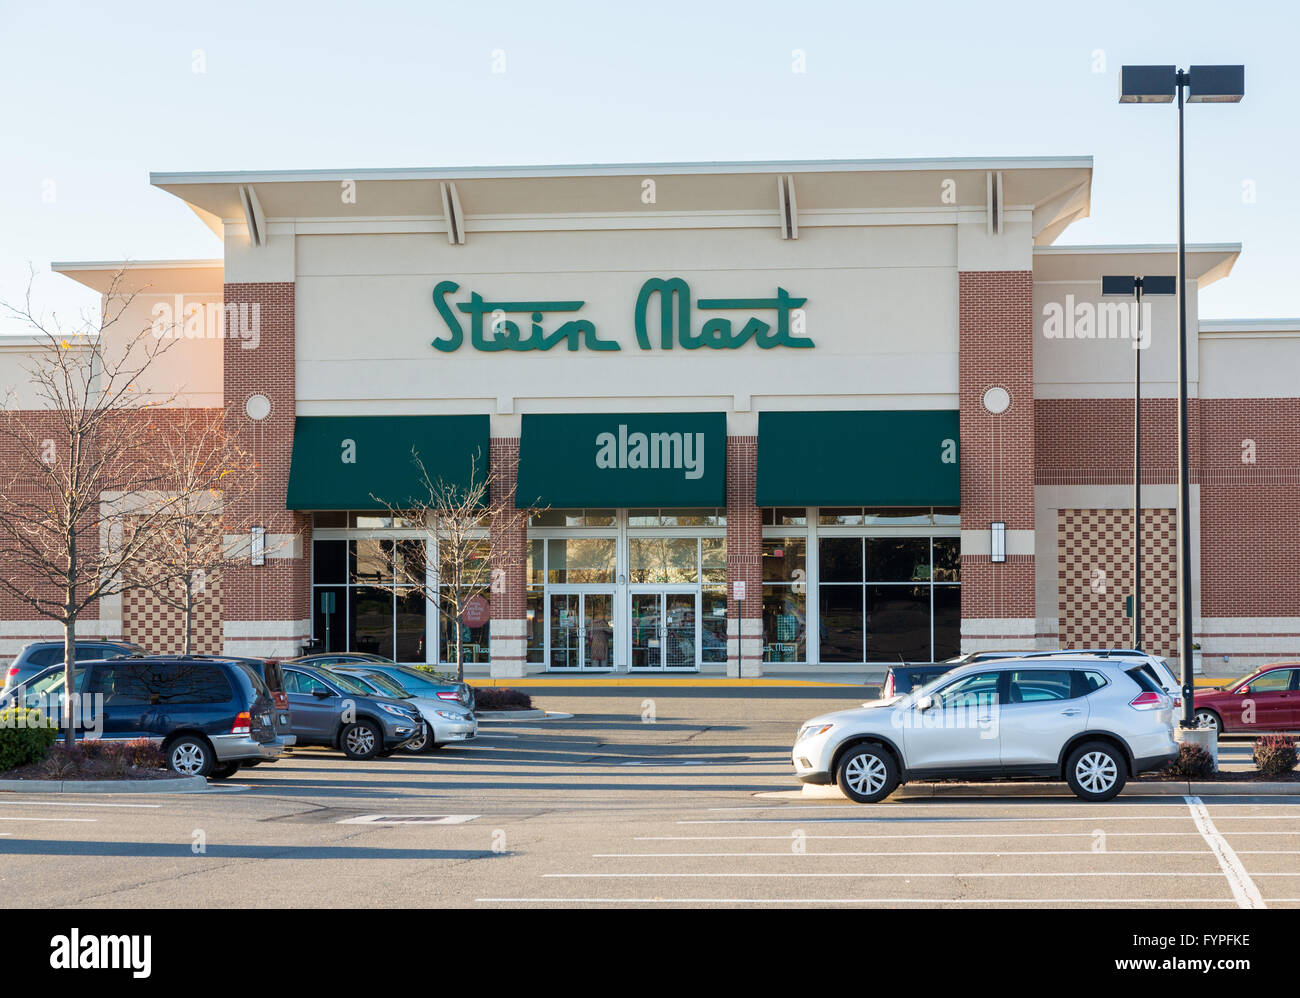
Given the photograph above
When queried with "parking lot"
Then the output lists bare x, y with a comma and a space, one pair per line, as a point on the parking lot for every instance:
643, 796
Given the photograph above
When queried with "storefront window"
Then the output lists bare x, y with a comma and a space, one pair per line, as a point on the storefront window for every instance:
573, 518
662, 559
580, 559
371, 620
877, 598
475, 641
785, 599
412, 611
898, 623
535, 623
713, 624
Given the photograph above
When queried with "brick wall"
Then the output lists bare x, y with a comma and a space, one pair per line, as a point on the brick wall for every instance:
997, 451
1090, 441
744, 558
277, 591
508, 555
1250, 510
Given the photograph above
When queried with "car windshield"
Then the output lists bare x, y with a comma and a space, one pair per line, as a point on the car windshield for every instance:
350, 684
422, 678
385, 685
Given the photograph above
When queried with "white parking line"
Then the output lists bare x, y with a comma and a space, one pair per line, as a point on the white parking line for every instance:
1243, 888
809, 820
934, 835
890, 855
7, 818
878, 876
982, 902
70, 803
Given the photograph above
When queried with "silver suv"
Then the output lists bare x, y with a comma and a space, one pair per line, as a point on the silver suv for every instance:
1092, 722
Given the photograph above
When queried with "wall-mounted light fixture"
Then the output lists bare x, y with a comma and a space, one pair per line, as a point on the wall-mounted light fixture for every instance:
257, 544
997, 541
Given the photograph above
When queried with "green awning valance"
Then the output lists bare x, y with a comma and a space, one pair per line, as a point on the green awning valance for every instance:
365, 462
674, 459
877, 458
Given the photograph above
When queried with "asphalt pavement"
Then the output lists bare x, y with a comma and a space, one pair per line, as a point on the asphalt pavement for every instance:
664, 797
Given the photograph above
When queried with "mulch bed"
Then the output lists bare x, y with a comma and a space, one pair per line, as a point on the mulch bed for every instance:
93, 769
1223, 776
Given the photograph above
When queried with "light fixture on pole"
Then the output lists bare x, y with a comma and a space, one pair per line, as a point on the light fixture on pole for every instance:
1204, 85
1134, 287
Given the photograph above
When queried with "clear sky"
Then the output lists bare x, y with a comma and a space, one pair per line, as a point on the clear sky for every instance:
97, 95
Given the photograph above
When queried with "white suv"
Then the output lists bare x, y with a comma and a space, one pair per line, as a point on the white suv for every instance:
1092, 722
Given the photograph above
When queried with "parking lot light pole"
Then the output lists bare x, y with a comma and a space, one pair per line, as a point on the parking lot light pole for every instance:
1204, 85
1134, 287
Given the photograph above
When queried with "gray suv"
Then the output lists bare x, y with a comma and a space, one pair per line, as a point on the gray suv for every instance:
328, 709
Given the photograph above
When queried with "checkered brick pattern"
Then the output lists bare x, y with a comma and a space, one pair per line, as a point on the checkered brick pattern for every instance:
1094, 556
160, 629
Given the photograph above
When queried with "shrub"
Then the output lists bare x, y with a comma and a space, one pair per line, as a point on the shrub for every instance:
25, 738
143, 754
1193, 763
493, 698
1275, 755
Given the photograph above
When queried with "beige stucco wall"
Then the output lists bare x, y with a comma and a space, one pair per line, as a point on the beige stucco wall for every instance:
882, 309
1103, 368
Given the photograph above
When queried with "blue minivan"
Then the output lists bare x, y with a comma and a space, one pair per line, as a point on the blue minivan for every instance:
210, 716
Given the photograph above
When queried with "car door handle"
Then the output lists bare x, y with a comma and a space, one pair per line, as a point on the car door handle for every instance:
1071, 711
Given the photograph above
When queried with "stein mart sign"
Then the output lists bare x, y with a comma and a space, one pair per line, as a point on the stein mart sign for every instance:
491, 329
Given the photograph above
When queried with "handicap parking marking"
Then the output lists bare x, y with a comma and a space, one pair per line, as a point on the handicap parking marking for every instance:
409, 819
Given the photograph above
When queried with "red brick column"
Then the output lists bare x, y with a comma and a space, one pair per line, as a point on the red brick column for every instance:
508, 556
997, 458
744, 559
267, 608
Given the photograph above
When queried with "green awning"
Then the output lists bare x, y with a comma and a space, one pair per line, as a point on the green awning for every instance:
674, 459
877, 458
366, 462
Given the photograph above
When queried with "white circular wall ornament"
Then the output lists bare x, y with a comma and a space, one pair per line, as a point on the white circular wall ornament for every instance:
997, 400
258, 407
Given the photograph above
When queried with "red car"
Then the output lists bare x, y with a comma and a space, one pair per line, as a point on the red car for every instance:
1266, 700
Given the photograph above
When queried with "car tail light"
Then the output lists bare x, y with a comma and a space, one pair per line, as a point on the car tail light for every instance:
243, 723
888, 691
13, 672
1147, 700
448, 695
281, 699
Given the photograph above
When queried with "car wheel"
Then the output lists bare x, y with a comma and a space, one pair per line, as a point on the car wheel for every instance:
867, 773
1206, 718
1095, 771
223, 771
360, 740
190, 755
420, 744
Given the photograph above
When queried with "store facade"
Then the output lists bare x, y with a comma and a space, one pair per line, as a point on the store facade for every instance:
766, 419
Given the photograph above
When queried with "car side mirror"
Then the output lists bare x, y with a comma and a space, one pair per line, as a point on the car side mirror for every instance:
925, 702
1243, 691
321, 694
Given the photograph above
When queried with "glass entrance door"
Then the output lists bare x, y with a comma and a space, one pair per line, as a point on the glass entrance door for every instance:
581, 629
664, 630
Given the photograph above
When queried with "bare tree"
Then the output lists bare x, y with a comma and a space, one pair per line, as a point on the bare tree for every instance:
80, 495
203, 466
455, 517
